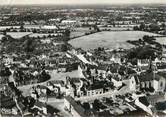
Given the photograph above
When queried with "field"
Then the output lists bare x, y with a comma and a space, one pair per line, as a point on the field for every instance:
106, 39
18, 35
161, 40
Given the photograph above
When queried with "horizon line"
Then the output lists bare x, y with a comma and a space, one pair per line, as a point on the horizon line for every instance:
81, 4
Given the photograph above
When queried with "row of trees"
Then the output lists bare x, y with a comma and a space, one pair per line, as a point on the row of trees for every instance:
150, 28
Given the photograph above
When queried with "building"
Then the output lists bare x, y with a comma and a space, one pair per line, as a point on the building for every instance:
41, 107
152, 80
132, 82
74, 108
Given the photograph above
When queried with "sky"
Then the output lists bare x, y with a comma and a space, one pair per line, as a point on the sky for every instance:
12, 2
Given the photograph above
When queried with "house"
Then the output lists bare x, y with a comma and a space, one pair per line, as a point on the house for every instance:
49, 27
7, 60
132, 82
53, 88
102, 68
41, 107
69, 23
161, 67
143, 64
152, 80
74, 85
57, 83
7, 102
41, 89
95, 89
116, 58
155, 98
143, 103
98, 87
116, 79
74, 108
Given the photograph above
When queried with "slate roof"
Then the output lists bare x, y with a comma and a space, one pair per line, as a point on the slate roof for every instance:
136, 79
6, 102
144, 100
61, 82
40, 104
98, 85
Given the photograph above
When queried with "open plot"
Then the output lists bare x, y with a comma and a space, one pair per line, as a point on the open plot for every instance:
18, 35
112, 40
161, 40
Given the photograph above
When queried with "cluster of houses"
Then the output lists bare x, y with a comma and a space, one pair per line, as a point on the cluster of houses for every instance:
104, 74
105, 78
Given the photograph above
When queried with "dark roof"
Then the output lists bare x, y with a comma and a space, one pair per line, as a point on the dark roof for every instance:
6, 102
40, 104
161, 105
144, 61
136, 79
144, 67
98, 85
21, 105
161, 66
163, 74
42, 87
51, 109
144, 100
117, 78
61, 82
76, 80
103, 67
135, 113
149, 76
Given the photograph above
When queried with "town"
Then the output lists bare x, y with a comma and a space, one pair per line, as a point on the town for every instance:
83, 61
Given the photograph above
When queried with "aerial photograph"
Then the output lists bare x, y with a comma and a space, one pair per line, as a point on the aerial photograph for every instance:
82, 58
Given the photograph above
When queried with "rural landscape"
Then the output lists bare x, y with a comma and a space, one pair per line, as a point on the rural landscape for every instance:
85, 60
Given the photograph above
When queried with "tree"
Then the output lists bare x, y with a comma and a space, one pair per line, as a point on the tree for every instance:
5, 72
4, 39
64, 47
135, 28
142, 26
67, 32
29, 45
4, 32
154, 27
96, 104
86, 105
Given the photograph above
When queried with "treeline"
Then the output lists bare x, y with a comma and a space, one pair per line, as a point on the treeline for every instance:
155, 28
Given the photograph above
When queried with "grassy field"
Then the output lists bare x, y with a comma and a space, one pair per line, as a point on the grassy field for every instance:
18, 35
161, 40
112, 40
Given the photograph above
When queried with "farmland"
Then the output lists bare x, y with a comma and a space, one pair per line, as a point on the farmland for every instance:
18, 35
106, 39
161, 40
